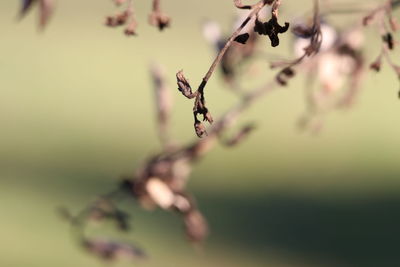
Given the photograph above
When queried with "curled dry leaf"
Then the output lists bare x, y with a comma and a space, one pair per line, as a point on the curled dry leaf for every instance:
272, 29
199, 103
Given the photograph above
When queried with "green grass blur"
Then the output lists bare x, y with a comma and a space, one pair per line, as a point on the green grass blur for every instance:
76, 112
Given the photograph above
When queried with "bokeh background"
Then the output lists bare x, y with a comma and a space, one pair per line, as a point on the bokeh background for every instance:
76, 112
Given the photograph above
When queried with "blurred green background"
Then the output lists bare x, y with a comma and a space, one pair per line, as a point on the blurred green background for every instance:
76, 112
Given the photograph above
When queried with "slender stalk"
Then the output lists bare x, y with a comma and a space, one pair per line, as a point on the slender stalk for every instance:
254, 11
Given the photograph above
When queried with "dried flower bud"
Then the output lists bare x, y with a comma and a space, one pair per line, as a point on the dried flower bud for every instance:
200, 129
159, 19
200, 108
184, 86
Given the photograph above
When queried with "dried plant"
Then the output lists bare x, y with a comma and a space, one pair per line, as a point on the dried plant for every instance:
332, 61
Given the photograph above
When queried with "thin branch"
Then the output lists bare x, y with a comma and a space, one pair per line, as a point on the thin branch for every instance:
254, 11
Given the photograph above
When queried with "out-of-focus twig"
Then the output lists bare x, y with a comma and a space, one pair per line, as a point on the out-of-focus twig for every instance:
163, 102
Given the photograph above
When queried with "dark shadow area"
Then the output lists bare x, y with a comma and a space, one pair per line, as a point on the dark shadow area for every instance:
349, 231
361, 230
